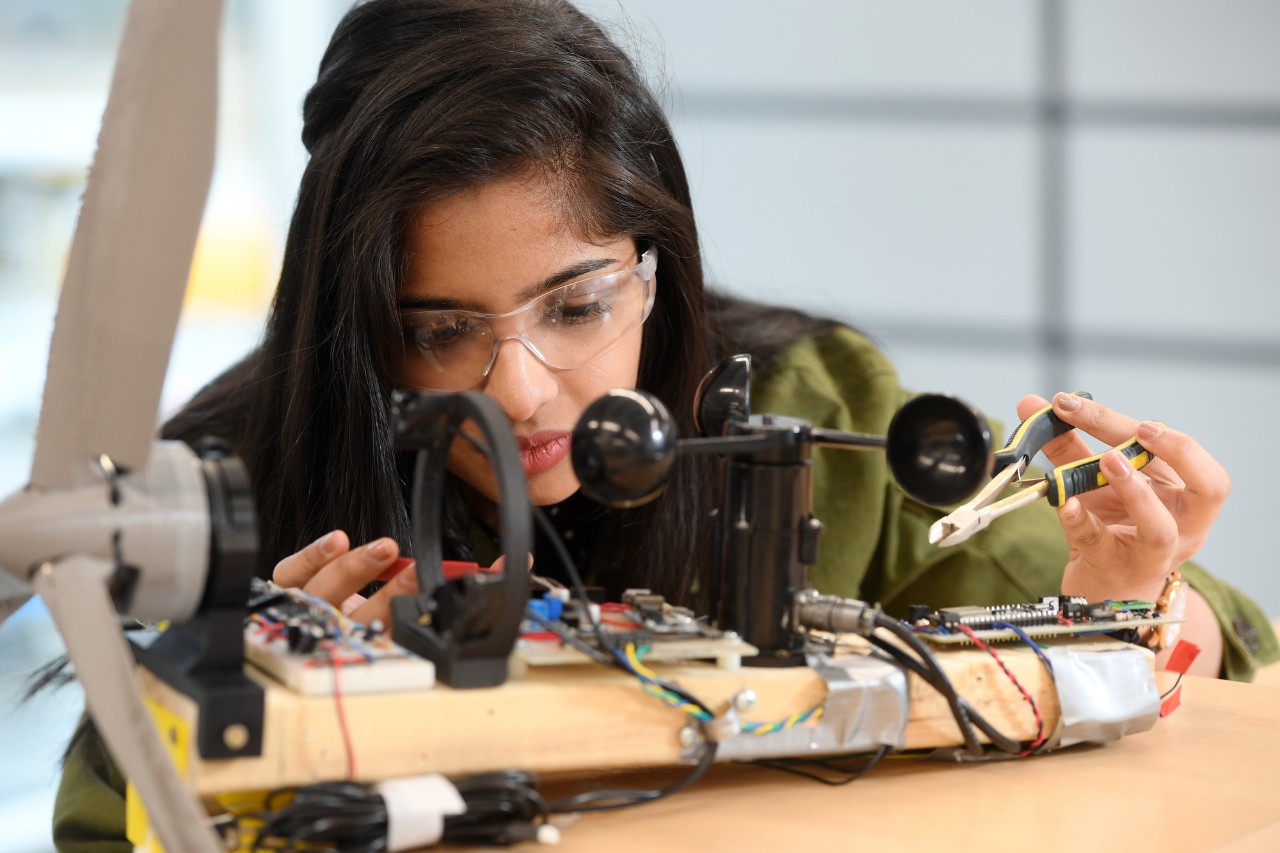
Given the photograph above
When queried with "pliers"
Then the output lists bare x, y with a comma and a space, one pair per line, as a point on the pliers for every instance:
1011, 462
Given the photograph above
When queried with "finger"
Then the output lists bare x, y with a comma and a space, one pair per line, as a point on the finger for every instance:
1206, 482
1156, 528
354, 570
1029, 405
500, 564
1106, 425
1085, 532
378, 605
1088, 416
297, 569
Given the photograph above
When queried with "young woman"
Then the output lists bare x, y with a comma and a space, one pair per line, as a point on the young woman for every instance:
494, 201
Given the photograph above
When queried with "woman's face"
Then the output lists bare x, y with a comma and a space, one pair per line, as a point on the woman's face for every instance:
493, 249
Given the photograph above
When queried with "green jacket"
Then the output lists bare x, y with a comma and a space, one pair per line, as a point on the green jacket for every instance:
874, 547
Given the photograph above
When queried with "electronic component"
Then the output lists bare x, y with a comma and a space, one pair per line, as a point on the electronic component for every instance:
1051, 616
671, 633
309, 646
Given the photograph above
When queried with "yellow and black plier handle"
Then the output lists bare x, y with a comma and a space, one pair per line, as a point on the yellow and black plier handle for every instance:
1063, 482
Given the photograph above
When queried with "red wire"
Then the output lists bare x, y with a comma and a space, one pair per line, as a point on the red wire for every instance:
342, 717
1040, 737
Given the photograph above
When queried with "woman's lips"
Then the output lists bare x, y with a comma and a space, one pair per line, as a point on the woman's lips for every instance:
543, 451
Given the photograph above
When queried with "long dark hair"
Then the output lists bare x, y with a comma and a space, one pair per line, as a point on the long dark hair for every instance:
417, 100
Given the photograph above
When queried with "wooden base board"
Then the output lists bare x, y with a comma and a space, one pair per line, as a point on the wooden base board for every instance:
570, 718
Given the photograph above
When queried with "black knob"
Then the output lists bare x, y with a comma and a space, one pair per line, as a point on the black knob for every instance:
939, 449
623, 447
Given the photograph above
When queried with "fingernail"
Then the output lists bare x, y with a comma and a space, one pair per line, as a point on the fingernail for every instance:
409, 577
1149, 431
326, 542
1065, 401
1117, 465
378, 549
1070, 511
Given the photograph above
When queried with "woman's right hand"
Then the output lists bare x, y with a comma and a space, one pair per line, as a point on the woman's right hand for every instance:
331, 569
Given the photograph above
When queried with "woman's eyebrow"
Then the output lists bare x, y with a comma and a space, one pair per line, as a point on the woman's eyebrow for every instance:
565, 275
569, 273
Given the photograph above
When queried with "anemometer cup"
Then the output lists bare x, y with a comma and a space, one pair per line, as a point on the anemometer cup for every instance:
939, 449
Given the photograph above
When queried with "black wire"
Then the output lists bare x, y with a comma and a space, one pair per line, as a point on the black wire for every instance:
607, 800
804, 767
562, 631
1166, 694
938, 680
587, 802
575, 577
571, 568
347, 816
965, 715
502, 808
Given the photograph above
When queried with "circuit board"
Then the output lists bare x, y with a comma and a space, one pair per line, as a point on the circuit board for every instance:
310, 647
1051, 616
667, 633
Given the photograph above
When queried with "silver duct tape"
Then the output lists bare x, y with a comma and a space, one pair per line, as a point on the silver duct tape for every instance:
866, 707
1104, 694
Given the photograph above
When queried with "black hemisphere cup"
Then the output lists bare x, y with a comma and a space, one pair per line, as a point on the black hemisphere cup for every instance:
623, 447
939, 449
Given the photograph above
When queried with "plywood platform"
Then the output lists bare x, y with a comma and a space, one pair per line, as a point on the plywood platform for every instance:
572, 718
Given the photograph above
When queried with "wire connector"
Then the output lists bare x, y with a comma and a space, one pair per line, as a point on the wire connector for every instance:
833, 614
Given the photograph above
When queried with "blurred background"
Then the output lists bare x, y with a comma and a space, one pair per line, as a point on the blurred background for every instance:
1010, 196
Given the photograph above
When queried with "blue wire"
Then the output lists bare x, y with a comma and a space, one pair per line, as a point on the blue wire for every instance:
1030, 642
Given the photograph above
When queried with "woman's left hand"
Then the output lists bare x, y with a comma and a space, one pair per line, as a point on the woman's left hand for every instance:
1126, 538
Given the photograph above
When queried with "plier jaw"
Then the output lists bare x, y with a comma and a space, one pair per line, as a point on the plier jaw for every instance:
1063, 482
979, 511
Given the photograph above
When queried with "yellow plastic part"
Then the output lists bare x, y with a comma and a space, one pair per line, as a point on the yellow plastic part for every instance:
176, 736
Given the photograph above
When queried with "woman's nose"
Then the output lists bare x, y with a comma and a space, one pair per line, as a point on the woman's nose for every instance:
519, 382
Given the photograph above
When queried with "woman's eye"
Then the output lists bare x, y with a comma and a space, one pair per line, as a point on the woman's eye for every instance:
577, 313
443, 332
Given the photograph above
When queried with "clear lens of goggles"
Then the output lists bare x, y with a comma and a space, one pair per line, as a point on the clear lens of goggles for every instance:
565, 327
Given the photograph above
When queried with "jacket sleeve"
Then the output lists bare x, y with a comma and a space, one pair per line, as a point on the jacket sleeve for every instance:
875, 539
89, 811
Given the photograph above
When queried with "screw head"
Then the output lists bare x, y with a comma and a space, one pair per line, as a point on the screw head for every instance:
235, 736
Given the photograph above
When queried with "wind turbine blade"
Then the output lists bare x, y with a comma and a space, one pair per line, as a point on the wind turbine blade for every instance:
131, 255
76, 594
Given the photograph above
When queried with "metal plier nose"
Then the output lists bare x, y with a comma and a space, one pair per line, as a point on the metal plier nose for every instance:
1011, 461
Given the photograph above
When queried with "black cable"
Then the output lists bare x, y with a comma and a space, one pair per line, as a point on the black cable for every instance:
553, 536
804, 767
594, 801
965, 715
346, 816
567, 636
939, 680
607, 800
570, 567
502, 808
971, 717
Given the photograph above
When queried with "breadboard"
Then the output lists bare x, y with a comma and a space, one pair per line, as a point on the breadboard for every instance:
383, 668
